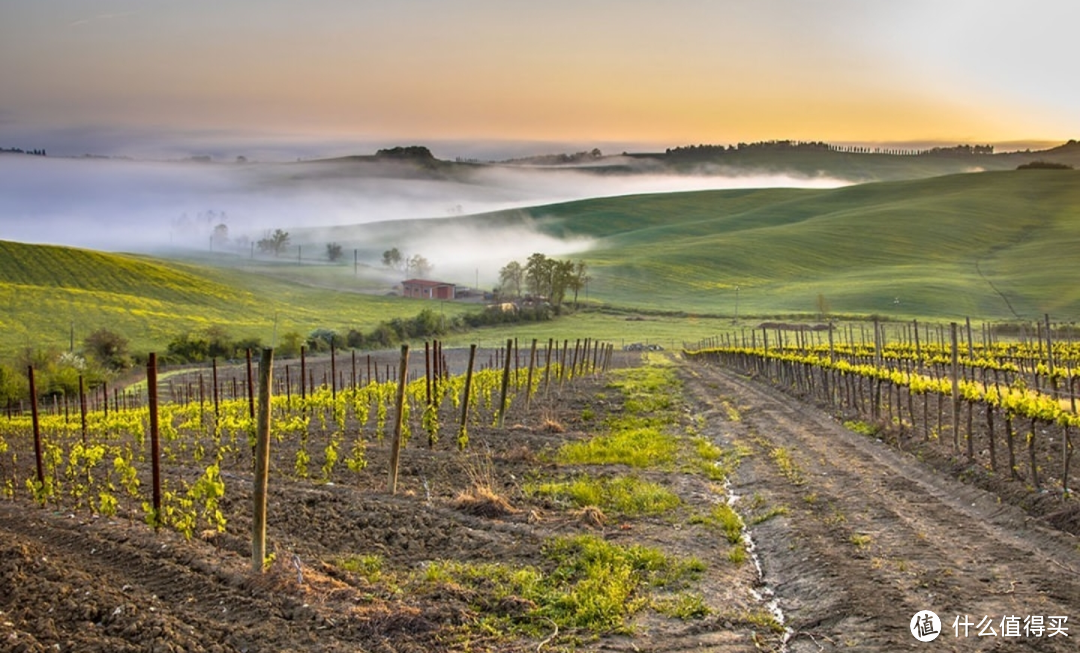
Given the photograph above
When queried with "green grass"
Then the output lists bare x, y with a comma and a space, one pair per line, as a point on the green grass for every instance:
45, 291
723, 518
860, 427
626, 495
591, 585
637, 447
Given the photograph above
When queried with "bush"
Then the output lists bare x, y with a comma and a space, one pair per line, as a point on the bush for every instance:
1044, 165
108, 348
323, 339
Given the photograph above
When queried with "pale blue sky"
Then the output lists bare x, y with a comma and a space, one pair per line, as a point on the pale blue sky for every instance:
136, 77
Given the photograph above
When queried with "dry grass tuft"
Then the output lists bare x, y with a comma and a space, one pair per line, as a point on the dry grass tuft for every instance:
483, 502
552, 426
592, 516
480, 498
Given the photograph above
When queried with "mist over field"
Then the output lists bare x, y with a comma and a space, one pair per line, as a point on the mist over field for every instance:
124, 205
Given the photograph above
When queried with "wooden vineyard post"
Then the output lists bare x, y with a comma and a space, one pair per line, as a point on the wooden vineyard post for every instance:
250, 388
505, 383
463, 433
303, 374
333, 371
262, 463
427, 370
955, 374
529, 377
82, 406
395, 445
155, 443
37, 427
217, 404
562, 362
547, 365
1050, 358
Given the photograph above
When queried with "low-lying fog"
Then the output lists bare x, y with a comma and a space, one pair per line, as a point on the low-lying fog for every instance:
152, 207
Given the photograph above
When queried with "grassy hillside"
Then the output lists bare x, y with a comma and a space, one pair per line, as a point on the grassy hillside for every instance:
45, 290
994, 245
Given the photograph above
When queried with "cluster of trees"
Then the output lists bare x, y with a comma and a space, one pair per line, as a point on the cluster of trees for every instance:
413, 266
274, 242
1044, 165
960, 150
559, 159
544, 278
19, 150
409, 152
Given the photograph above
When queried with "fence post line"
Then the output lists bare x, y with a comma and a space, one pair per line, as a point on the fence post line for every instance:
155, 444
262, 462
395, 446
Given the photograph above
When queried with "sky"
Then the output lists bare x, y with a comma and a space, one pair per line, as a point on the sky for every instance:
279, 80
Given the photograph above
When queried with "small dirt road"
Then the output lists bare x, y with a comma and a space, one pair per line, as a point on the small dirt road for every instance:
870, 535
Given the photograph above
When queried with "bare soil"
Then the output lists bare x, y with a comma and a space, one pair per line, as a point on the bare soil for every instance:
853, 539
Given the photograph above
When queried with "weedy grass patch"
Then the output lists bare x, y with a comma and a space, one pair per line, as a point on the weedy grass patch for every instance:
589, 585
724, 518
627, 495
637, 447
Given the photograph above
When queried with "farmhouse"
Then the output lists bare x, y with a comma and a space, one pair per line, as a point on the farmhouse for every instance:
425, 289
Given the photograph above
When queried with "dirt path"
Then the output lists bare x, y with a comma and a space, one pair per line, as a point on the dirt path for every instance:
871, 536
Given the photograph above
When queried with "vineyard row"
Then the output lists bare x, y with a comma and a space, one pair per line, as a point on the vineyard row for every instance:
996, 412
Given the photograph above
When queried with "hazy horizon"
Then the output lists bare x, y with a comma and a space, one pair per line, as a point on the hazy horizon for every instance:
492, 80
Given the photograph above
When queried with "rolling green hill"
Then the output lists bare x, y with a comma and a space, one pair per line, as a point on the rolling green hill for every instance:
46, 291
994, 245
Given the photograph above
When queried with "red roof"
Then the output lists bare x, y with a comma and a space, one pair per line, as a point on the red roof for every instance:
424, 283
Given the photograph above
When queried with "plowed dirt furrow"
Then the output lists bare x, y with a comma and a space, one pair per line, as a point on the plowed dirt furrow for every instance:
151, 592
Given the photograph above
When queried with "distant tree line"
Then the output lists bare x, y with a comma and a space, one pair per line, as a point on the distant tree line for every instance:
558, 159
710, 151
19, 150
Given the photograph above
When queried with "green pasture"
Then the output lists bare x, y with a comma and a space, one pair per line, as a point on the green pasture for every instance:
46, 291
